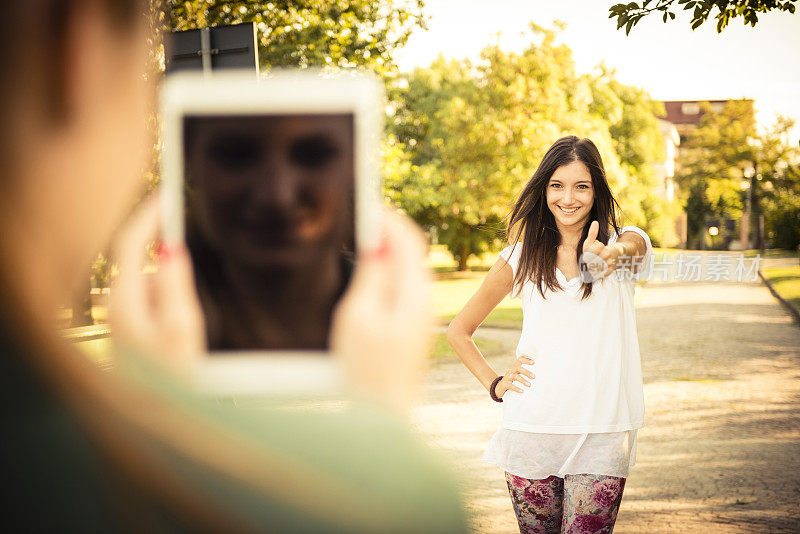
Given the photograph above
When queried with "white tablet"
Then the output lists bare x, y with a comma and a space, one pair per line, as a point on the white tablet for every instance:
274, 186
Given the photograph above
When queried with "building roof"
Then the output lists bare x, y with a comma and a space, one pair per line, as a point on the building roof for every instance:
688, 111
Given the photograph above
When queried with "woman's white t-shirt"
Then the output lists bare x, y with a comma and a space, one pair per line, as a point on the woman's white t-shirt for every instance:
586, 401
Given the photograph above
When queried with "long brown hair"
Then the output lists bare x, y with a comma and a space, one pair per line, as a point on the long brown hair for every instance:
533, 222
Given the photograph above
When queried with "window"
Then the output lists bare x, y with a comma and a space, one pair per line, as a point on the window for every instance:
690, 108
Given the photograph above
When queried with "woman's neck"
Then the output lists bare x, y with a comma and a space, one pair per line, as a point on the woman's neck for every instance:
317, 278
275, 306
571, 235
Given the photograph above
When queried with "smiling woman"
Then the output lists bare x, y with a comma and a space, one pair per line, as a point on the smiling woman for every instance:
573, 400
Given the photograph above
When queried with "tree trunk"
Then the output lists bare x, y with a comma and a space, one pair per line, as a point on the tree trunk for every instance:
82, 307
462, 258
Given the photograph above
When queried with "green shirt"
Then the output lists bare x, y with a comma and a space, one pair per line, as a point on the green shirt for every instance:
354, 468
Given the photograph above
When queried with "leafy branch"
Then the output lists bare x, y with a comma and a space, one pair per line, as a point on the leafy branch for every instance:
628, 15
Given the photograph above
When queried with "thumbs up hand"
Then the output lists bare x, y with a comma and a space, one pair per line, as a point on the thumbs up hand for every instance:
599, 260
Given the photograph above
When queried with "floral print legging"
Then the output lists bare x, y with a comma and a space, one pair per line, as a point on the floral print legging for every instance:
575, 504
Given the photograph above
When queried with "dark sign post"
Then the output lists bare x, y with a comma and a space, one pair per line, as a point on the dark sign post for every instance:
222, 47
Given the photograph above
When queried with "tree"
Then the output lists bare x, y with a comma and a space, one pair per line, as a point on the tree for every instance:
633, 119
724, 157
474, 133
445, 125
630, 14
81, 304
777, 184
313, 33
711, 165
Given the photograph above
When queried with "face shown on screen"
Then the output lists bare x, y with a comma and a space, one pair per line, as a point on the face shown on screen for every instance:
270, 190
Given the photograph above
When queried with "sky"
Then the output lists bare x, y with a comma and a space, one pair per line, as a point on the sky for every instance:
669, 60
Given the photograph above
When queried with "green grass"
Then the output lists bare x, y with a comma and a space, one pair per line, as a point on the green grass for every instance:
442, 349
786, 281
497, 318
770, 253
450, 294
441, 261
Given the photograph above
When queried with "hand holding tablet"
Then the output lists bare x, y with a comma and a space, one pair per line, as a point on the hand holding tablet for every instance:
273, 184
383, 326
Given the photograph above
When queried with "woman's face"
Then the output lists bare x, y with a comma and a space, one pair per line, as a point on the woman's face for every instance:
570, 195
271, 190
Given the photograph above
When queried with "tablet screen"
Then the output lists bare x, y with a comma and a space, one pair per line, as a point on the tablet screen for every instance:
270, 225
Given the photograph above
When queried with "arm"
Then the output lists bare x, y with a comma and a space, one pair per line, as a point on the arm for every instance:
632, 245
495, 287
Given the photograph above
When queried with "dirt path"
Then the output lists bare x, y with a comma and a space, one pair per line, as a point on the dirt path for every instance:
720, 451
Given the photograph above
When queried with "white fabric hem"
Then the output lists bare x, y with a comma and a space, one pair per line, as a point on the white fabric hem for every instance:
534, 475
538, 456
574, 429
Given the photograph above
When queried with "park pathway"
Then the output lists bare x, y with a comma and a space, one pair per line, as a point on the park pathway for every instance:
720, 451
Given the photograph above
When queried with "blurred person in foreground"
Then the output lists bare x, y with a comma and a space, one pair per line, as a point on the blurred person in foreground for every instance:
136, 449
